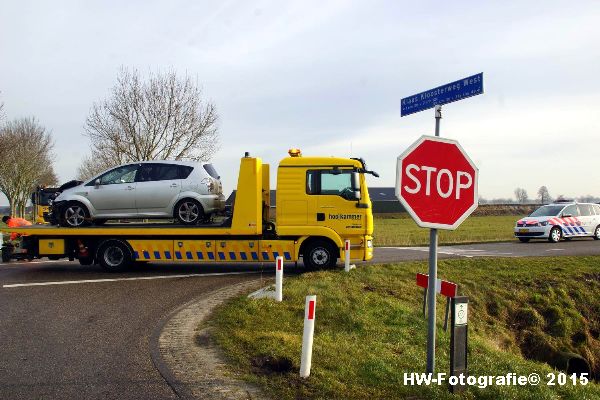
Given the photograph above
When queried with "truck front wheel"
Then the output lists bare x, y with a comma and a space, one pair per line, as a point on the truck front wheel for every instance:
114, 256
319, 254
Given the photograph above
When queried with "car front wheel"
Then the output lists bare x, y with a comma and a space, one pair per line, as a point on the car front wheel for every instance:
597, 233
524, 240
75, 215
189, 212
555, 235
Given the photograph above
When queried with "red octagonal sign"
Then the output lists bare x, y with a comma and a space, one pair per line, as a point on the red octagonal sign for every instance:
436, 182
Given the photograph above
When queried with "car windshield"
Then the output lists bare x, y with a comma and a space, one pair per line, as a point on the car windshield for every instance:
211, 171
547, 211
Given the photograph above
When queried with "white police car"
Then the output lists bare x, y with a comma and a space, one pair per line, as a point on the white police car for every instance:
562, 219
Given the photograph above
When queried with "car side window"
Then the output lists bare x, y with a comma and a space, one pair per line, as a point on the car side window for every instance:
571, 210
165, 172
185, 171
124, 174
145, 173
586, 210
596, 208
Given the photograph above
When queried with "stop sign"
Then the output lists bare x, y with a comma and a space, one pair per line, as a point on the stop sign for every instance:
436, 182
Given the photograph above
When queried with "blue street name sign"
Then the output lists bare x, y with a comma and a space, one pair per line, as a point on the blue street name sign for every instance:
461, 89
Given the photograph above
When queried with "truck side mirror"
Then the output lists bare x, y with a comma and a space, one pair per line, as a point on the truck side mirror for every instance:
356, 185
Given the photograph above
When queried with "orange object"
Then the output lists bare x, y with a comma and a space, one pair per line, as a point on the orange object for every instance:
15, 222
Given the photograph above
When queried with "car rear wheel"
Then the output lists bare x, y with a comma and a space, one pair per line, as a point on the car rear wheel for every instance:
597, 233
75, 215
524, 240
189, 212
555, 235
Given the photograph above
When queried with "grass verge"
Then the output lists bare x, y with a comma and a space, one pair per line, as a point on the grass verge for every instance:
403, 231
370, 331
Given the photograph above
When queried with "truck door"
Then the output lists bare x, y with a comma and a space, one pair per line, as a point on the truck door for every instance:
336, 205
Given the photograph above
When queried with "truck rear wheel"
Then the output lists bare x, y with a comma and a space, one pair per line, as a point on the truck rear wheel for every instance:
319, 254
114, 256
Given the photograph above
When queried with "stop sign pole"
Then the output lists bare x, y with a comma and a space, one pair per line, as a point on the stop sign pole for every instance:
436, 182
431, 293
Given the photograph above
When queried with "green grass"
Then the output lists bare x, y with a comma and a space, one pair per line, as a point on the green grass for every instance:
370, 331
403, 231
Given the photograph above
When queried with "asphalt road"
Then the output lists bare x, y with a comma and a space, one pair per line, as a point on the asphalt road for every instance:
76, 332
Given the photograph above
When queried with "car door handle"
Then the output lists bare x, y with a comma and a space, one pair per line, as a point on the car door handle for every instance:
173, 185
130, 188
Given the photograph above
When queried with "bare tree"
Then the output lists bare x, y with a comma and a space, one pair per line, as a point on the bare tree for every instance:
544, 195
521, 195
162, 117
25, 161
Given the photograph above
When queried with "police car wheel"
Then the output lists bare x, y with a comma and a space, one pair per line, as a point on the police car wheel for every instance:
524, 240
555, 235
597, 233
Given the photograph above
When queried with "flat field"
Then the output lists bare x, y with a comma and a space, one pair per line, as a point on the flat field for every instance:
401, 230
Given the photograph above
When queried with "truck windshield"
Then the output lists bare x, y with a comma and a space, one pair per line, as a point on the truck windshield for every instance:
211, 171
546, 211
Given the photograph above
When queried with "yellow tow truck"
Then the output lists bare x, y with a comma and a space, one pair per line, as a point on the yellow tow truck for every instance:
321, 201
40, 200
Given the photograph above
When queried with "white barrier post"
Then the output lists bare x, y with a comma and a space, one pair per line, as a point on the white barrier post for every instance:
347, 255
307, 336
279, 279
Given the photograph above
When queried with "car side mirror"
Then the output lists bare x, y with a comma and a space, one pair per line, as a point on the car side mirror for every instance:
97, 183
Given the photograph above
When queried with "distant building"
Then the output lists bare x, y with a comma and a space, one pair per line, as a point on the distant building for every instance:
383, 198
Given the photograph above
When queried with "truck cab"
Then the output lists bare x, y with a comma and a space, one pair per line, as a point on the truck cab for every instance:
325, 201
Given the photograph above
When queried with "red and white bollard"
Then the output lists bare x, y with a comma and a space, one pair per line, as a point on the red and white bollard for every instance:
279, 279
347, 266
307, 336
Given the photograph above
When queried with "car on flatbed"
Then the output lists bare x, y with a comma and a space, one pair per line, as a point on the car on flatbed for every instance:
187, 191
560, 220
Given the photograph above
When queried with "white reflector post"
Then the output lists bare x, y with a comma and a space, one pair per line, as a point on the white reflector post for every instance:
307, 337
347, 255
279, 279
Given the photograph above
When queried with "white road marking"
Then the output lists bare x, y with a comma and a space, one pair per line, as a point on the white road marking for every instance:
141, 278
455, 251
22, 263
555, 250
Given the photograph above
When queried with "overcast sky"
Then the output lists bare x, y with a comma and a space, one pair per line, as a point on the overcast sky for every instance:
328, 76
